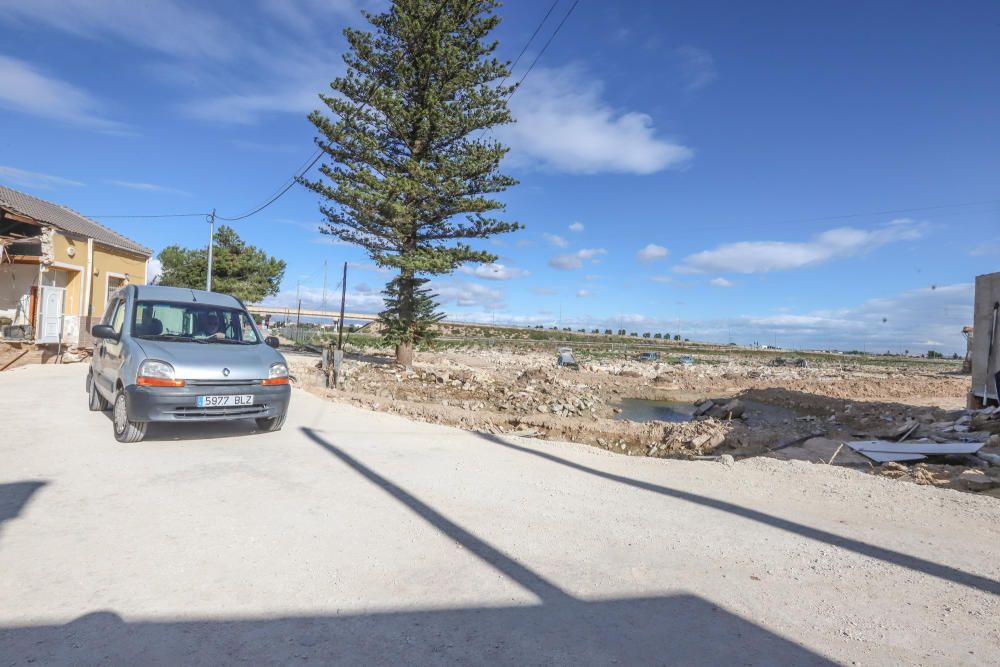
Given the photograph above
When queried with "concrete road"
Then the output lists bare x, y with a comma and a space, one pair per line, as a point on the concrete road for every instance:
360, 538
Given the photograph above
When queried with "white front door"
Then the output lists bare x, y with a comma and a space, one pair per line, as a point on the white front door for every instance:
51, 318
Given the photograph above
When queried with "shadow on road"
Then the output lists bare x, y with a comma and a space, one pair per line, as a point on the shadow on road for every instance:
15, 496
931, 568
562, 630
172, 431
680, 629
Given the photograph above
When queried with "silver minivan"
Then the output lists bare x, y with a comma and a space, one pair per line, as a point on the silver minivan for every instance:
169, 354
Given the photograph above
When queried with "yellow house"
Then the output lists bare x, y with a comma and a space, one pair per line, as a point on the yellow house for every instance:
57, 269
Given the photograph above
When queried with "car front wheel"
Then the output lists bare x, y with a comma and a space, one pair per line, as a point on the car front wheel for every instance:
125, 430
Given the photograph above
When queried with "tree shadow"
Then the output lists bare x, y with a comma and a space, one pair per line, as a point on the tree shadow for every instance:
914, 563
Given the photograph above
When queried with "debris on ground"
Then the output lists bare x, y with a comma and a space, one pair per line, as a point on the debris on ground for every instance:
741, 406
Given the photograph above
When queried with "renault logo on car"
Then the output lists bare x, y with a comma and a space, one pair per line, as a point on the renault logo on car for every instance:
225, 371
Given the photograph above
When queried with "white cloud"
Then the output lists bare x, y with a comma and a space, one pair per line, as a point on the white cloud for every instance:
583, 293
576, 227
148, 187
564, 124
662, 279
575, 260
652, 253
985, 248
556, 240
275, 56
34, 179
360, 298
697, 66
720, 282
25, 89
153, 270
153, 25
765, 256
494, 271
466, 294
373, 268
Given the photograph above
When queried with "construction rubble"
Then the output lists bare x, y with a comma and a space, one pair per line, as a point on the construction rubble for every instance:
737, 405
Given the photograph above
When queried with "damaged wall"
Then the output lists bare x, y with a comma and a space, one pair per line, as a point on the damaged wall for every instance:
15, 285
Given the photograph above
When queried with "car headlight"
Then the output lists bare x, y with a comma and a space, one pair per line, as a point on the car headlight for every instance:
277, 374
155, 373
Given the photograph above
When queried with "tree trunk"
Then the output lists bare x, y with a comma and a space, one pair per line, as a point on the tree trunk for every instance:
404, 355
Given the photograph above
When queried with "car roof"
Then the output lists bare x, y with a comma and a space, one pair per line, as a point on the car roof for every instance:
185, 295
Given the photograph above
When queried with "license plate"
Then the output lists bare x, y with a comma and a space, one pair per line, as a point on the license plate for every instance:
225, 401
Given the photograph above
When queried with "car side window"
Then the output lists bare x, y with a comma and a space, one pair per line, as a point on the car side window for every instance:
119, 317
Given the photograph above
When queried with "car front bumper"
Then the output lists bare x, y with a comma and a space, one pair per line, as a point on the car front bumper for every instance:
177, 404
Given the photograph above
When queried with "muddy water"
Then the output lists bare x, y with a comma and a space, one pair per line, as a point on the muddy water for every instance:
641, 410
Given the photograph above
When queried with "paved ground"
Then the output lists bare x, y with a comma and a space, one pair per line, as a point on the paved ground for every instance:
362, 538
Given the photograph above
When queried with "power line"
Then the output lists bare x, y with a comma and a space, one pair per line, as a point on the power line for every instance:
540, 53
280, 194
531, 39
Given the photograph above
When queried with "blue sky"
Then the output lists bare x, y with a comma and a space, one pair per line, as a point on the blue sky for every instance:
818, 174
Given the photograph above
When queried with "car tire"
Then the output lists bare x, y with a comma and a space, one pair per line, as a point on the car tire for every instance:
270, 423
95, 401
125, 430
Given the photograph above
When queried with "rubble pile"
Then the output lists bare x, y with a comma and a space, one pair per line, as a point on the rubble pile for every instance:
756, 406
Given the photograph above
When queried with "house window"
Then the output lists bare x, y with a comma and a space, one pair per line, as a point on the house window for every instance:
115, 283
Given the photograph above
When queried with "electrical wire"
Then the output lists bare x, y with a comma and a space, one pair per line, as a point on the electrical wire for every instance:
280, 193
540, 53
524, 49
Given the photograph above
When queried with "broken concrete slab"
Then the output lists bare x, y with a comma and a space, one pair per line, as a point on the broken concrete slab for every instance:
925, 447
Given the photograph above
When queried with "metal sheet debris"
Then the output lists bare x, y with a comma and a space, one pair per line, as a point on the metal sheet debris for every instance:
925, 447
883, 451
885, 457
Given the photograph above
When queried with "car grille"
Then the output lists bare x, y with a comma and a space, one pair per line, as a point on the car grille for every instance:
222, 383
223, 411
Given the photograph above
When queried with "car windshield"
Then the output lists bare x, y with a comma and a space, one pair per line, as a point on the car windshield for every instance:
193, 322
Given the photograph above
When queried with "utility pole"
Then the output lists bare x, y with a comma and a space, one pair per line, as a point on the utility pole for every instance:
211, 242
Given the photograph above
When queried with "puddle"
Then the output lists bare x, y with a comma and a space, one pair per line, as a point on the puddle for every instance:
641, 410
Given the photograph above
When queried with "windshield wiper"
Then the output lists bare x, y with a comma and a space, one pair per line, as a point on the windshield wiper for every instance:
227, 341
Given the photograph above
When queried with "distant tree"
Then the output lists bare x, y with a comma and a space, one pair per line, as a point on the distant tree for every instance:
955, 356
934, 354
607, 332
677, 336
596, 331
621, 332
241, 270
645, 334
581, 331
657, 336
635, 334
411, 178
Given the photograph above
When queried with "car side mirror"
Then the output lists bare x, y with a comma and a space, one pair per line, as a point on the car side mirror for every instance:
272, 341
104, 331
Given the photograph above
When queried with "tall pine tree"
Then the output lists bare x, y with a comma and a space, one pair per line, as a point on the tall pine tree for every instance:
411, 176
